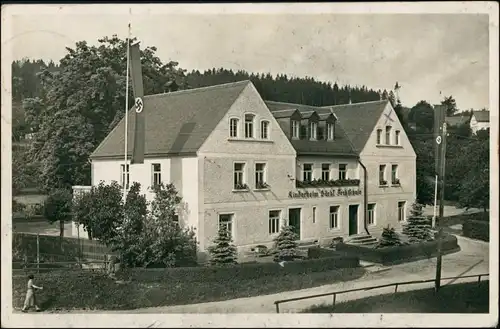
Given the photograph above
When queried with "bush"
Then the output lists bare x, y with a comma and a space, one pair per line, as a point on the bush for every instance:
223, 252
286, 244
403, 253
476, 229
418, 228
389, 238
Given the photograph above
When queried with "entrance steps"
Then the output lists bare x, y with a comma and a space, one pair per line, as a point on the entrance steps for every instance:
361, 240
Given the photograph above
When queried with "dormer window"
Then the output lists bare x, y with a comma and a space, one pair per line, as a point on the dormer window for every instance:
313, 130
264, 129
249, 118
233, 127
330, 128
295, 128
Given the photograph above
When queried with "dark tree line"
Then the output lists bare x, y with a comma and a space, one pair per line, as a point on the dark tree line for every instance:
282, 88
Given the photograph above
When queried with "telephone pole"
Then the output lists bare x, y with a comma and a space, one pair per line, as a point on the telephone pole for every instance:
442, 171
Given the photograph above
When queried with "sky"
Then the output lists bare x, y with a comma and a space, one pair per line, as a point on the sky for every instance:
429, 55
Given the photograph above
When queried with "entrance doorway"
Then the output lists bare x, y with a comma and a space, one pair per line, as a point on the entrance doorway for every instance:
353, 219
294, 220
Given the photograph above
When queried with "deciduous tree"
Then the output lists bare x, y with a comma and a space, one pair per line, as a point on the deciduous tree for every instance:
58, 207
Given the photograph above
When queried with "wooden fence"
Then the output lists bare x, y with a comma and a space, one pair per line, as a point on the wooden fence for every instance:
30, 248
395, 285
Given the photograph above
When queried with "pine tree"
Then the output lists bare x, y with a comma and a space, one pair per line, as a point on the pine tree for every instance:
223, 252
286, 245
389, 238
418, 228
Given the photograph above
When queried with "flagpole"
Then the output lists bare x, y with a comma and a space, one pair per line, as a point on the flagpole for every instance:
125, 171
435, 202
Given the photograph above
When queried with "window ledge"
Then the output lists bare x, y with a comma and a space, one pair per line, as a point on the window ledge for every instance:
261, 189
253, 140
386, 185
390, 146
241, 190
336, 229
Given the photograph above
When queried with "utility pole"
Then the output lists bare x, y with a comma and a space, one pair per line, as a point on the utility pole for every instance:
442, 171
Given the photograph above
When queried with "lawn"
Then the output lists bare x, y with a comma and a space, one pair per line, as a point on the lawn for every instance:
455, 298
66, 290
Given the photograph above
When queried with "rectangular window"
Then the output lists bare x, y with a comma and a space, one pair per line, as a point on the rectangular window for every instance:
274, 221
156, 174
125, 176
379, 136
334, 217
239, 176
314, 214
381, 175
313, 130
264, 129
249, 125
396, 137
388, 135
175, 219
295, 129
233, 127
260, 175
325, 171
401, 211
226, 222
342, 171
394, 174
330, 131
307, 172
371, 214
303, 132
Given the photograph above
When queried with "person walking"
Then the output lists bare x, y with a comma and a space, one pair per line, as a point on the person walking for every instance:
30, 295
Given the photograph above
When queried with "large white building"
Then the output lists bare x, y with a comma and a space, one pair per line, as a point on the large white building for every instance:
255, 166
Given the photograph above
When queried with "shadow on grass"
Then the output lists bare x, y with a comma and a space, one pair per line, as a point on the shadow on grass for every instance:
457, 298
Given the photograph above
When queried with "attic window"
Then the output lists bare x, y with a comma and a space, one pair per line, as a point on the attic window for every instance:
330, 127
388, 135
233, 127
249, 125
264, 129
313, 130
295, 129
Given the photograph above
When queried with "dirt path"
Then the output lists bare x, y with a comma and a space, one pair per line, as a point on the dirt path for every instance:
472, 259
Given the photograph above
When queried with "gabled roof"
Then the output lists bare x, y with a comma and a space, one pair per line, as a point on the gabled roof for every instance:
285, 113
457, 120
482, 116
176, 123
359, 120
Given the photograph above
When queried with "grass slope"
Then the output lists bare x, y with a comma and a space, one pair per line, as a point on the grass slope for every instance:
455, 298
65, 290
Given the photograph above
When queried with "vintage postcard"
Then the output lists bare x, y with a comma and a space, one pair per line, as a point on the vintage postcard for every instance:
250, 165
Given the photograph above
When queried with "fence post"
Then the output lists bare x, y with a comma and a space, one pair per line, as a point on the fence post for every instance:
396, 288
38, 253
277, 307
334, 300
478, 279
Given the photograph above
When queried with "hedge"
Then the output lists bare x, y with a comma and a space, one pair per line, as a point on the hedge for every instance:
401, 254
245, 271
476, 229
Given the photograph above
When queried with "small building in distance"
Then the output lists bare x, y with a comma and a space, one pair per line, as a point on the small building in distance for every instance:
479, 120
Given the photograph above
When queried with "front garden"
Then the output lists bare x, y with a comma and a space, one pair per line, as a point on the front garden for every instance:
158, 263
416, 241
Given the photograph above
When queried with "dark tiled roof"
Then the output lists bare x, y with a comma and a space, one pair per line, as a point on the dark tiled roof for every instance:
284, 113
340, 146
457, 120
177, 122
359, 120
482, 116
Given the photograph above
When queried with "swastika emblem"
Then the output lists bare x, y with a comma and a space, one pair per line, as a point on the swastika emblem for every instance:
138, 105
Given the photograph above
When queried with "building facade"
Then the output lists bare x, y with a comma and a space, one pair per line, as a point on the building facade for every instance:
480, 120
254, 166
